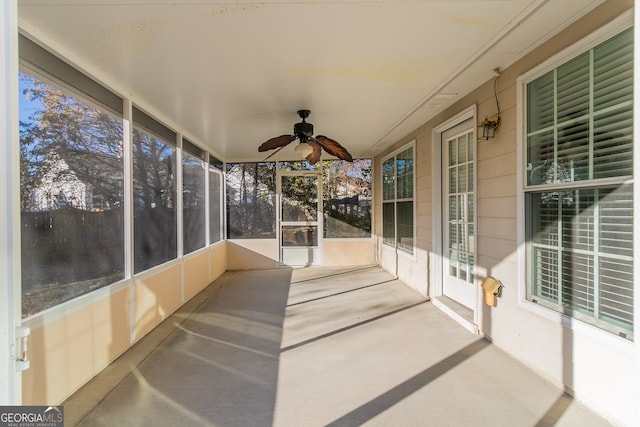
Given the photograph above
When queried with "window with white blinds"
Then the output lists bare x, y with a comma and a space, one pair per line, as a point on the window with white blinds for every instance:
578, 190
397, 200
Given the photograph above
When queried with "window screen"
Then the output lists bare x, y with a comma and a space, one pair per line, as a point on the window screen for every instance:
193, 197
71, 185
154, 192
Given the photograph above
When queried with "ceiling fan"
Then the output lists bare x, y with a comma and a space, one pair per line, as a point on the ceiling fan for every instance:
303, 131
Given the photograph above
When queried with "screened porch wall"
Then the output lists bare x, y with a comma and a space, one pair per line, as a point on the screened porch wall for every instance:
70, 346
74, 338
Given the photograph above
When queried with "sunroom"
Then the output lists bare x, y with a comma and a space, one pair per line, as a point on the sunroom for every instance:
487, 143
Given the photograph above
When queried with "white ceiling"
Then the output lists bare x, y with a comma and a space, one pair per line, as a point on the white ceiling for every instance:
232, 74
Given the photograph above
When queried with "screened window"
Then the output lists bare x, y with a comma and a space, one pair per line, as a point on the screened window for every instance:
154, 188
215, 201
251, 198
397, 203
193, 197
71, 195
578, 195
347, 198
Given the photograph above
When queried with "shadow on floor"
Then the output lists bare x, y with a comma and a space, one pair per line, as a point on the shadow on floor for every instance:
387, 400
218, 367
318, 347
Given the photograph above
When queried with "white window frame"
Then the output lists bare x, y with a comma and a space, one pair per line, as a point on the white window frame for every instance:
212, 170
604, 33
399, 250
204, 164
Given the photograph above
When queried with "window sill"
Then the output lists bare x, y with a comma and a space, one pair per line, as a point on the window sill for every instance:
578, 326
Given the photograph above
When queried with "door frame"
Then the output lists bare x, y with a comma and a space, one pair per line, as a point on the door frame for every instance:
10, 273
459, 290
320, 211
437, 256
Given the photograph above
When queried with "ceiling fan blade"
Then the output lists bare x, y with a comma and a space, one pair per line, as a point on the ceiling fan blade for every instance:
314, 156
278, 141
332, 147
273, 154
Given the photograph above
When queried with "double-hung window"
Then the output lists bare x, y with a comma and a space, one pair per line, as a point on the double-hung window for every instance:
578, 186
397, 200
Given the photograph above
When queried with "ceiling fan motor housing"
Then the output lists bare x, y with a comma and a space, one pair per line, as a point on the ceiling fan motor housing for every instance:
303, 130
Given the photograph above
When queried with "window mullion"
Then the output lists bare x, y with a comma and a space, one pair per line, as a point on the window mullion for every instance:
555, 125
596, 214
561, 249
596, 253
591, 111
395, 202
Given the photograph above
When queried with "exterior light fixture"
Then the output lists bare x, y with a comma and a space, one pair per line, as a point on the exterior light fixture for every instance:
488, 127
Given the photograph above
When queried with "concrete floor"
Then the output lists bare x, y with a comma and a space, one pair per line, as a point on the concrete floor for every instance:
317, 347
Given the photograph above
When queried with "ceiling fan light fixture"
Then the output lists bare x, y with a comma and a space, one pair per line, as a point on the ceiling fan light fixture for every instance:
302, 150
310, 145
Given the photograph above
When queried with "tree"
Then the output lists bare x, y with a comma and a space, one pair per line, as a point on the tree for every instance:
154, 163
71, 164
251, 200
62, 127
347, 198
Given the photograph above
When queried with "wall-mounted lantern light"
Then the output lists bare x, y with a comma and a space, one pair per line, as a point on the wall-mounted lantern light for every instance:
488, 127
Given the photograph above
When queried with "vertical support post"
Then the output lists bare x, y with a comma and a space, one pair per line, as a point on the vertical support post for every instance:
10, 284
